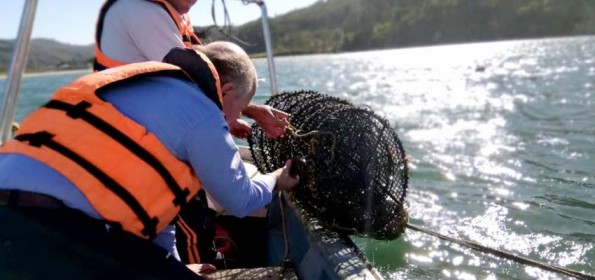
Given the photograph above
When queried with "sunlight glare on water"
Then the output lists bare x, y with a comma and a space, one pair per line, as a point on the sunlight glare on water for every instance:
501, 143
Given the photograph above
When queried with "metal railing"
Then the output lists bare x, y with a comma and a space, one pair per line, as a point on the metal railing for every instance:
268, 43
15, 72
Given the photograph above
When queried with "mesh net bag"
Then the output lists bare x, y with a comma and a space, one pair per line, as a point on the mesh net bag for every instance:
352, 166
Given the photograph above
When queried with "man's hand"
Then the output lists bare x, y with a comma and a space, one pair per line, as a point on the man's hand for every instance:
271, 120
285, 181
240, 129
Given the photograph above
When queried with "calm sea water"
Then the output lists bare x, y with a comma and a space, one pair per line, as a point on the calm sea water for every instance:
502, 144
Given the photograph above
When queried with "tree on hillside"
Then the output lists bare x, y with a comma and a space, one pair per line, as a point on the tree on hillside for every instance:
349, 25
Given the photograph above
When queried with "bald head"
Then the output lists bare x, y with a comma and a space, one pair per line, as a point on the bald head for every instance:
233, 66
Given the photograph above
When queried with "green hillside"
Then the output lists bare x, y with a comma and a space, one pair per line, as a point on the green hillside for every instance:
49, 55
331, 26
350, 25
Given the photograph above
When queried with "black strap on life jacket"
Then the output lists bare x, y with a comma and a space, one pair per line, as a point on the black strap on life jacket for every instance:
198, 70
44, 138
79, 111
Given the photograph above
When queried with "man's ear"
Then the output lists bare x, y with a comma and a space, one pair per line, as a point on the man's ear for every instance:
226, 88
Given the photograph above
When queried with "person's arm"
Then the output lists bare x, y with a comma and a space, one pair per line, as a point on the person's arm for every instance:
271, 120
193, 128
136, 31
216, 160
240, 129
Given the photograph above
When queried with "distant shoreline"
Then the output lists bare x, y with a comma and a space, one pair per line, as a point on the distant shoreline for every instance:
50, 73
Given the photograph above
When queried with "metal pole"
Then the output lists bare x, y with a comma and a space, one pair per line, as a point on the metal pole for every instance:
269, 46
15, 73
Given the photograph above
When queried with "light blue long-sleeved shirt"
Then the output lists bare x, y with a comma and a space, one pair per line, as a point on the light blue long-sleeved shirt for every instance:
191, 127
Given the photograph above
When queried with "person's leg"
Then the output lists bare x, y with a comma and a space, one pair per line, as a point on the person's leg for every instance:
195, 232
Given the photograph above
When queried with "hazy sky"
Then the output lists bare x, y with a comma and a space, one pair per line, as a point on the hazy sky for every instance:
73, 21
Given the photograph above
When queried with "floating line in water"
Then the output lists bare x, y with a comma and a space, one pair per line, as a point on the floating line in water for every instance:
500, 253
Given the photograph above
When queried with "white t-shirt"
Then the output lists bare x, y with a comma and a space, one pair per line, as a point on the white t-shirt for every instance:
137, 31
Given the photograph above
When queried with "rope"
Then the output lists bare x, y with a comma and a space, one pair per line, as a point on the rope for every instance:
286, 263
226, 29
295, 133
502, 254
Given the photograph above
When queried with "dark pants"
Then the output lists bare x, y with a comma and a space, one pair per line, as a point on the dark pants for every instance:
40, 243
249, 236
195, 232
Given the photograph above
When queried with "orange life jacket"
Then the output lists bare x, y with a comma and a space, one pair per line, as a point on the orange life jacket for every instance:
102, 61
125, 172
